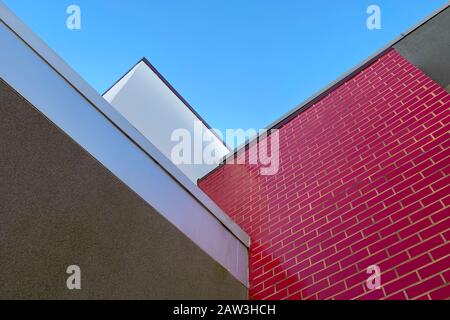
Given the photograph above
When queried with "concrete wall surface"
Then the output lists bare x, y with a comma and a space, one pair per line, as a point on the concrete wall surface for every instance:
428, 48
60, 207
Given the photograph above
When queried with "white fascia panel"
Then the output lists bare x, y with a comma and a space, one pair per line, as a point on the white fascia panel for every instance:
114, 91
153, 108
59, 93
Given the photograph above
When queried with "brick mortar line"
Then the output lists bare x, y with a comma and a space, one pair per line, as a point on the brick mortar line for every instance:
370, 254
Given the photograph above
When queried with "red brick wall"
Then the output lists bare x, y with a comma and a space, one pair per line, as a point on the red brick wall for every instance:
364, 179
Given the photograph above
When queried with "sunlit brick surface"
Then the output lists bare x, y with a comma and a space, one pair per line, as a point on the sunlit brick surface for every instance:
364, 179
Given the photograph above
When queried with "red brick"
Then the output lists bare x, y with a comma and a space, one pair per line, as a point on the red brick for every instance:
393, 228
415, 228
435, 268
274, 280
331, 291
316, 287
354, 258
338, 256
426, 246
354, 182
424, 286
287, 282
435, 229
343, 274
350, 294
401, 283
372, 295
441, 294
278, 296
441, 251
383, 243
365, 243
359, 277
413, 264
426, 212
311, 270
403, 245
397, 296
373, 259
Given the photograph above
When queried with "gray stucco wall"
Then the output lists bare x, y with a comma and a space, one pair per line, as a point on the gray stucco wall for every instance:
428, 48
61, 207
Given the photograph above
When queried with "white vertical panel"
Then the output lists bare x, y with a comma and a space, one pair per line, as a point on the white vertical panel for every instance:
145, 100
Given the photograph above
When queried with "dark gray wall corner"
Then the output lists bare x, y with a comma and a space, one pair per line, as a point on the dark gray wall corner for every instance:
61, 207
428, 48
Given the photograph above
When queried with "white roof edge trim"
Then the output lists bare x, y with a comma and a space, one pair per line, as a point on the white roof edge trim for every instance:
156, 110
114, 91
16, 35
93, 97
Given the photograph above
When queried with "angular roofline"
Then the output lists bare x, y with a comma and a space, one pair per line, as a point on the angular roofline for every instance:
93, 98
329, 88
121, 77
175, 92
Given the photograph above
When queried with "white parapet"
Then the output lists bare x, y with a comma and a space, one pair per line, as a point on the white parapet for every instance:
147, 100
59, 93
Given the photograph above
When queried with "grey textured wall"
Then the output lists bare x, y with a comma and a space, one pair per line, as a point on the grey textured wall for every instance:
428, 48
60, 207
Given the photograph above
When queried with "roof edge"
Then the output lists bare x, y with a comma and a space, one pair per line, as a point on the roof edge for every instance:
175, 92
325, 91
74, 80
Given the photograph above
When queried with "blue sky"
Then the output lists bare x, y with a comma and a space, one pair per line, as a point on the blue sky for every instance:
240, 63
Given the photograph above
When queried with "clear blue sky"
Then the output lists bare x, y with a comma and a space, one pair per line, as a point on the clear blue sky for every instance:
240, 63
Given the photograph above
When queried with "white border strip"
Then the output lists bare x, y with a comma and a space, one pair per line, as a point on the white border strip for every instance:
47, 82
